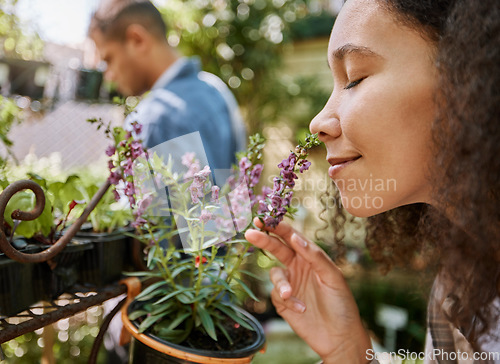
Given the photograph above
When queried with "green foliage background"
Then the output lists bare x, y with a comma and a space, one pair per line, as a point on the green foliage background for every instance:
15, 41
243, 42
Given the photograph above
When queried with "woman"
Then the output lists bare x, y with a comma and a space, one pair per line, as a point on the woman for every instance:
415, 104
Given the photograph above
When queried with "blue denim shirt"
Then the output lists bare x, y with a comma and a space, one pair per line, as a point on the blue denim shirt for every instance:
187, 103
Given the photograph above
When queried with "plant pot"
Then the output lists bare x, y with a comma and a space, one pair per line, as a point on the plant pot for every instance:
149, 349
109, 257
20, 284
62, 272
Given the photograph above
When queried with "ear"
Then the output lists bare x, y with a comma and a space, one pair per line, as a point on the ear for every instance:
138, 38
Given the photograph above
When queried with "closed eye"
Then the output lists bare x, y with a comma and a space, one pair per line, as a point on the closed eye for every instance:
353, 84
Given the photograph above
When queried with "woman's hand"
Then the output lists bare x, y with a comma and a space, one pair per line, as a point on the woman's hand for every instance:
312, 296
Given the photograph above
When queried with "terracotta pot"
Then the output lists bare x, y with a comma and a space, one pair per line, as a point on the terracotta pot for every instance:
149, 349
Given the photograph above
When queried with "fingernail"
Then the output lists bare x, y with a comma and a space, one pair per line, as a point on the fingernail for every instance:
283, 290
302, 242
300, 307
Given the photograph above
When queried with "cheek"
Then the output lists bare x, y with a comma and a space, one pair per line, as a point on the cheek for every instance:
390, 128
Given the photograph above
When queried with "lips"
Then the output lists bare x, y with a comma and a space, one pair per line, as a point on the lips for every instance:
338, 164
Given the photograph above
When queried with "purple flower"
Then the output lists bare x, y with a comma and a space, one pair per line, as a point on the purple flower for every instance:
262, 209
136, 148
271, 221
289, 177
215, 193
110, 150
204, 173
193, 169
128, 165
196, 190
266, 190
188, 159
287, 199
304, 166
116, 195
129, 189
205, 216
292, 159
114, 178
137, 127
285, 163
111, 165
139, 221
245, 164
255, 174
276, 201
278, 185
143, 204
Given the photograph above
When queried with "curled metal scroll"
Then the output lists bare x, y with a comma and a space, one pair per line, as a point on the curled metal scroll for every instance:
59, 245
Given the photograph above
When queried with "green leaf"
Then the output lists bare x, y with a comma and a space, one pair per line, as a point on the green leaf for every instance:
143, 274
186, 297
250, 274
136, 314
170, 295
224, 331
235, 315
150, 320
247, 290
175, 336
178, 320
151, 255
179, 270
220, 281
207, 322
150, 289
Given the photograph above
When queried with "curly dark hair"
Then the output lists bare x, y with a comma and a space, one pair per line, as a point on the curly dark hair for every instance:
464, 239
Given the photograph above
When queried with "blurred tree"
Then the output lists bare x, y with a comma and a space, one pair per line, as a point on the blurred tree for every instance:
14, 41
9, 115
242, 41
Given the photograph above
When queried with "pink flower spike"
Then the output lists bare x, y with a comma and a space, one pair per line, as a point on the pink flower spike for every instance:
305, 166
137, 127
110, 150
215, 193
205, 216
188, 159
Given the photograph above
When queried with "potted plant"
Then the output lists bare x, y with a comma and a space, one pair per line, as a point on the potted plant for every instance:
192, 229
108, 229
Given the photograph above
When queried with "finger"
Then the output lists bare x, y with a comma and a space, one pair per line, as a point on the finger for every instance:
272, 244
279, 278
320, 262
292, 303
283, 229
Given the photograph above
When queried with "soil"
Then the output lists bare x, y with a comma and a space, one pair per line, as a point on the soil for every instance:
241, 337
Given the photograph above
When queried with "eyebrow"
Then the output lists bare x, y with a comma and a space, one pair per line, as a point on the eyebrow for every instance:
350, 48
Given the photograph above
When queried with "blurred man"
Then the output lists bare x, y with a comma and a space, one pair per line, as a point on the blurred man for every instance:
130, 38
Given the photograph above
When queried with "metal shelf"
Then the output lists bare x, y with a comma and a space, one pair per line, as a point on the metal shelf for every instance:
45, 313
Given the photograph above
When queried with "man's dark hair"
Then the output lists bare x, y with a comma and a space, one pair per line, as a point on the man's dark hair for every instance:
114, 17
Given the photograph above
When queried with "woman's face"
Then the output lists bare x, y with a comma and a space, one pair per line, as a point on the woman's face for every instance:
376, 123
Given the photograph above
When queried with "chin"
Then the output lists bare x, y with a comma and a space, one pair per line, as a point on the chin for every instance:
363, 205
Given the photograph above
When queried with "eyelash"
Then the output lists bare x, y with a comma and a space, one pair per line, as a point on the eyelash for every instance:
353, 84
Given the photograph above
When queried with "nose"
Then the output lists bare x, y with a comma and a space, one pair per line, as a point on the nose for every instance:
327, 122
